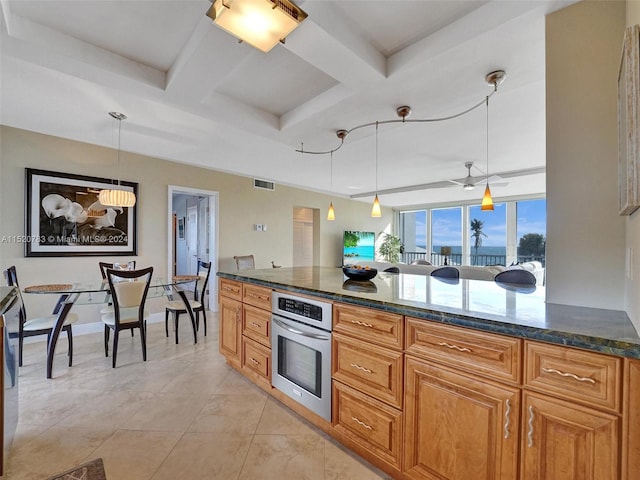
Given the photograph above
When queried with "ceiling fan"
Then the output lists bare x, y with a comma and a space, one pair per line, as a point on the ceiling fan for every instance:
470, 182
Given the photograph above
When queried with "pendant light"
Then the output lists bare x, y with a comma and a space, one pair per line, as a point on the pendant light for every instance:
487, 201
375, 209
331, 214
117, 197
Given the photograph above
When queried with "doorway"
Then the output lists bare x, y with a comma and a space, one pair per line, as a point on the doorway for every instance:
306, 235
193, 233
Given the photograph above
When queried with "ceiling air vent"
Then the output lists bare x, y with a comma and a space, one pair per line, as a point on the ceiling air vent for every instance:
263, 184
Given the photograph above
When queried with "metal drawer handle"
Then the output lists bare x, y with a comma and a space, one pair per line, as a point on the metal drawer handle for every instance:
229, 289
355, 419
354, 365
507, 420
254, 324
572, 375
358, 322
530, 423
254, 361
455, 347
254, 295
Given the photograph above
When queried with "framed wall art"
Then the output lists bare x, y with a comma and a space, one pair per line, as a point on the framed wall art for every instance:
64, 217
629, 123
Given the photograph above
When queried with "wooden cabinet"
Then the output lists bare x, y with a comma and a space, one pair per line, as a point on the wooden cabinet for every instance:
367, 422
256, 324
631, 425
257, 296
256, 361
458, 426
488, 354
562, 440
367, 364
230, 289
231, 330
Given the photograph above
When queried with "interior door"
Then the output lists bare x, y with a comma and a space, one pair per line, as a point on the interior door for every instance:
192, 239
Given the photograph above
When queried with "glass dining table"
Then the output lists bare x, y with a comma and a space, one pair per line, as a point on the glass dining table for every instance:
99, 293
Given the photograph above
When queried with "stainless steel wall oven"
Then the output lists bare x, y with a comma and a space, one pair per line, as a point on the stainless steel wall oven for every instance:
301, 345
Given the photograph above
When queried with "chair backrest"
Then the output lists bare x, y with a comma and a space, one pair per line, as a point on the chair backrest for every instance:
203, 267
392, 270
12, 280
129, 289
516, 277
245, 262
446, 272
117, 265
421, 261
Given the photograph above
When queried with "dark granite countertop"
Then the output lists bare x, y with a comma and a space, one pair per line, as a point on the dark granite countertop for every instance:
476, 304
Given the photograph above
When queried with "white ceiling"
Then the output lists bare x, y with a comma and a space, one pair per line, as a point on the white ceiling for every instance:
193, 94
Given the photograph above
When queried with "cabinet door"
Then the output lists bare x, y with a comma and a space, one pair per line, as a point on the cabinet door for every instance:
458, 427
231, 329
562, 440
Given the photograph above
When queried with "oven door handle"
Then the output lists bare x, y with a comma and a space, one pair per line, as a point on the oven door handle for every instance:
299, 332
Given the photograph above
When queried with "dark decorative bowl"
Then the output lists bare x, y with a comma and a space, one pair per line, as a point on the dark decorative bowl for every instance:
359, 274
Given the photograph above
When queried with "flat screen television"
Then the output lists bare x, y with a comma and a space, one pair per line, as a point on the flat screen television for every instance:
358, 247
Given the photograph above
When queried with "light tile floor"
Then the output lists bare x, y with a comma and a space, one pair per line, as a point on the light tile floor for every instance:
183, 414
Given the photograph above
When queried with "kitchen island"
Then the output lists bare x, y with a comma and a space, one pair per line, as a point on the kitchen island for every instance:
464, 378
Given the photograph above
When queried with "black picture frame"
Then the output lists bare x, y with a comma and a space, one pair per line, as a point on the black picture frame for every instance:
64, 217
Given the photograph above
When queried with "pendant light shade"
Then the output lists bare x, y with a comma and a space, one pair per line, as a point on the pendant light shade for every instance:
375, 209
331, 214
117, 197
487, 201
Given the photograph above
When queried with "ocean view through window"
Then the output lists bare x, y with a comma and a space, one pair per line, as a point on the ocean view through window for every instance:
515, 232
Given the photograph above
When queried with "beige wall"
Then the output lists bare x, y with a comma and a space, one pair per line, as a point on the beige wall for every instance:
585, 234
632, 291
240, 207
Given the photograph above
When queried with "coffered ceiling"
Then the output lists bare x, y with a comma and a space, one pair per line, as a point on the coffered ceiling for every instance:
193, 94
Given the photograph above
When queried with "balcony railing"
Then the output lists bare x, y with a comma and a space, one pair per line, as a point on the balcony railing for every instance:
456, 258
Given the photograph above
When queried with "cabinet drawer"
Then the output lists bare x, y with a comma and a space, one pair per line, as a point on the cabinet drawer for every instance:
256, 324
485, 353
372, 424
373, 370
256, 358
378, 327
231, 289
573, 374
257, 296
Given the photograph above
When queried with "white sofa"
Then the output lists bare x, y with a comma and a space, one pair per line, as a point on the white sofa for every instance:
466, 271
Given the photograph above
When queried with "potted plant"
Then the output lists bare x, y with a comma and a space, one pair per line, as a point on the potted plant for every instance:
391, 248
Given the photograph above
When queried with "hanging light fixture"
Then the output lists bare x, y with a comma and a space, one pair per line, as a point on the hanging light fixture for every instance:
260, 23
375, 209
487, 201
117, 197
331, 214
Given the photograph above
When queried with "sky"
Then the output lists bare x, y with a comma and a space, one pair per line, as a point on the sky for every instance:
447, 229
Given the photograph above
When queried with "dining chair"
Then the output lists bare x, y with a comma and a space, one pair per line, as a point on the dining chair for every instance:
421, 261
129, 290
245, 262
516, 277
446, 272
176, 307
39, 325
103, 271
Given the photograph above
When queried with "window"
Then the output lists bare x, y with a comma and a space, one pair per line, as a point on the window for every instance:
465, 235
531, 221
446, 236
488, 235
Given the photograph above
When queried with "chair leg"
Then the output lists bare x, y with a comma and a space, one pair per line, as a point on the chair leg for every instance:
166, 322
132, 332
20, 343
106, 341
116, 334
143, 342
204, 320
70, 340
176, 316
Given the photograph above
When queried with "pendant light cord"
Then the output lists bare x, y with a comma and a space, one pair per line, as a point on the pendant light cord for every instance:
119, 131
487, 100
376, 158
